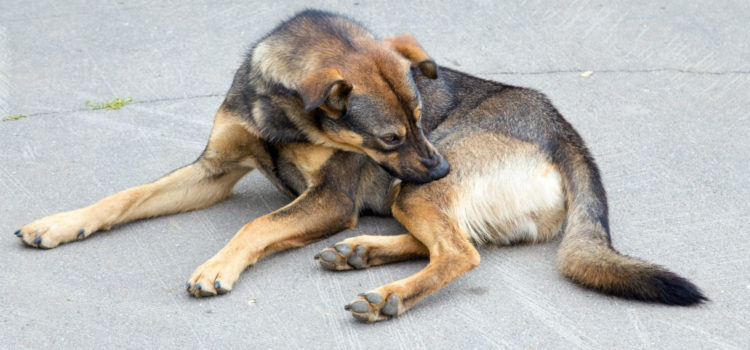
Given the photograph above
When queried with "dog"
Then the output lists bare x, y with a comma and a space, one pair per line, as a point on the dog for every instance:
347, 124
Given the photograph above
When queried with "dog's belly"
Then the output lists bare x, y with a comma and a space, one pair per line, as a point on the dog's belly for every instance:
505, 191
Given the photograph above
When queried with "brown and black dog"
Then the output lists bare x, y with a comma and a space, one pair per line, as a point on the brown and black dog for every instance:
344, 124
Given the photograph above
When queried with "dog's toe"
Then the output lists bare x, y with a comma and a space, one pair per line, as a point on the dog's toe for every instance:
357, 259
204, 292
220, 288
328, 256
359, 307
343, 248
392, 305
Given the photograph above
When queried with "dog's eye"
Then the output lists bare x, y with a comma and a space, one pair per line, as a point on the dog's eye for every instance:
390, 139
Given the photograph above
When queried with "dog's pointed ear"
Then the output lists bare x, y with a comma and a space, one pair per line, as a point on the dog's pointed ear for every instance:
325, 89
407, 46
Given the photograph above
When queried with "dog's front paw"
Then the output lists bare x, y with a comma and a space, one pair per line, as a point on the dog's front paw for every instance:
343, 256
376, 305
51, 231
215, 276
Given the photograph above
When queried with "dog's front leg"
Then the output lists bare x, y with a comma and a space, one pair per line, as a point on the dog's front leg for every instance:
320, 211
229, 155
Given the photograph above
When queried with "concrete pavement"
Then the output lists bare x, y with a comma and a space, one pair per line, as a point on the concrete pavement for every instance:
665, 113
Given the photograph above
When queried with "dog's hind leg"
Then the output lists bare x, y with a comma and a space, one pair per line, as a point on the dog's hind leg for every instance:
365, 251
451, 255
208, 180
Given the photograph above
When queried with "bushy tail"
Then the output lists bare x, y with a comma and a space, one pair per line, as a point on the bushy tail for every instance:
586, 255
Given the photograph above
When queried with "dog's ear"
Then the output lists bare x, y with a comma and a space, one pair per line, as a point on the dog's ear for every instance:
407, 46
325, 89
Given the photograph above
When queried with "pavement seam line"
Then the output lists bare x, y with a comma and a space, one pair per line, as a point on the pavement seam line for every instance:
134, 102
558, 71
653, 70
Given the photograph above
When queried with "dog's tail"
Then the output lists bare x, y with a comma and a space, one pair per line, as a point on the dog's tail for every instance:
586, 255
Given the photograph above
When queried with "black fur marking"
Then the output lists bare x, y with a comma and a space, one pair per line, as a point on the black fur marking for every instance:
664, 287
283, 185
275, 125
283, 90
675, 290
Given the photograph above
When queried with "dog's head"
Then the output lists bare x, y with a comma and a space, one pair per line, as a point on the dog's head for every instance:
368, 102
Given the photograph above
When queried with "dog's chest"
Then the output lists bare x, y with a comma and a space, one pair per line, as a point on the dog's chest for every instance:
294, 167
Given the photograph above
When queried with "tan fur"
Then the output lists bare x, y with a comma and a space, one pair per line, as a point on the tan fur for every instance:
309, 158
346, 137
407, 46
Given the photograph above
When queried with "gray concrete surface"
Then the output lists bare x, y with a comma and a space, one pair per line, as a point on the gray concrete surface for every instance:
665, 112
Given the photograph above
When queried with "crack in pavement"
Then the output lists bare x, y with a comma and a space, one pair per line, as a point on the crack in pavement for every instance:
653, 70
554, 71
135, 102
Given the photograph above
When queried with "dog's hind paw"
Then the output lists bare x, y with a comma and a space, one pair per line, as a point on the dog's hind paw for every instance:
375, 306
51, 231
343, 256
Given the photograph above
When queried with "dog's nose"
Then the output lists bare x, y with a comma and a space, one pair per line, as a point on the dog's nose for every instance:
433, 161
441, 169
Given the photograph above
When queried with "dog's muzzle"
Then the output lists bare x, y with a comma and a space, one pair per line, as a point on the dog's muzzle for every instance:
437, 168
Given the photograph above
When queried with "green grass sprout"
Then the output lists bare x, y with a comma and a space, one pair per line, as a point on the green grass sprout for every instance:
115, 103
14, 117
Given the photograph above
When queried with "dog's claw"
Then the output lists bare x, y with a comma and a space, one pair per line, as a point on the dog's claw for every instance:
80, 233
18, 233
37, 240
